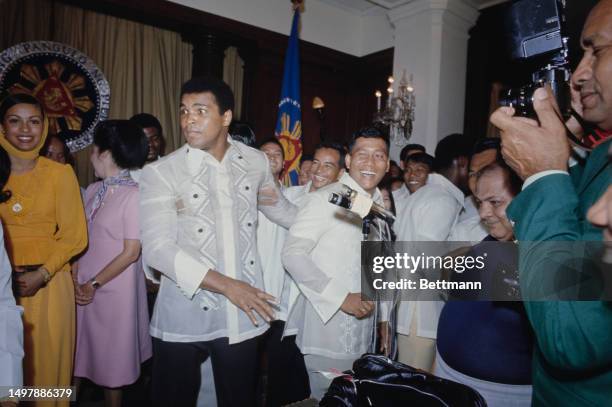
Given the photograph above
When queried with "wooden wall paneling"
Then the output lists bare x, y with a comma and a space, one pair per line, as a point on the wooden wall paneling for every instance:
266, 92
249, 53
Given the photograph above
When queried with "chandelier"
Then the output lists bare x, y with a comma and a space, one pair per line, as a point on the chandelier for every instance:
398, 113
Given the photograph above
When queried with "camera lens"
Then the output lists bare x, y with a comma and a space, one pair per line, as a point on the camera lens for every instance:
521, 99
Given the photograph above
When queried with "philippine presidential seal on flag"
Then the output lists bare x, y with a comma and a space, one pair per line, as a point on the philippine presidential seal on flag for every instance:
289, 122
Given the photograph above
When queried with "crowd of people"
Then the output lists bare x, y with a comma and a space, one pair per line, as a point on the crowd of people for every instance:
201, 257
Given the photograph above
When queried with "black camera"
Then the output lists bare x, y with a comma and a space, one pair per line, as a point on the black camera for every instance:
537, 35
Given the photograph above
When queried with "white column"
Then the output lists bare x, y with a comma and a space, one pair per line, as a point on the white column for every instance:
431, 42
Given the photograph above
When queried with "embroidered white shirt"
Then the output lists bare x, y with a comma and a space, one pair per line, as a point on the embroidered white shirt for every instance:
322, 254
199, 214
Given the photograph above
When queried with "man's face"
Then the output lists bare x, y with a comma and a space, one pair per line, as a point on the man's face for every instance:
325, 167
408, 154
593, 77
493, 198
305, 172
275, 156
55, 151
368, 162
416, 175
155, 143
477, 163
203, 126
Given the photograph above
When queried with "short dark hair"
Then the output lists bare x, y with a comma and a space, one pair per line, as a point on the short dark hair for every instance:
11, 100
368, 132
306, 157
404, 152
125, 140
334, 146
513, 181
147, 120
272, 140
242, 132
450, 148
422, 158
487, 143
221, 91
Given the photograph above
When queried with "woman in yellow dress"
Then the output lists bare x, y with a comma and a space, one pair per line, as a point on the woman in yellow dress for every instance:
44, 228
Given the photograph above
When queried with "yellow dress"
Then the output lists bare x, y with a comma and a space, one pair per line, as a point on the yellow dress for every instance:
45, 224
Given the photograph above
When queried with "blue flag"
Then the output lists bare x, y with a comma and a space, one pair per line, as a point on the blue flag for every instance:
289, 122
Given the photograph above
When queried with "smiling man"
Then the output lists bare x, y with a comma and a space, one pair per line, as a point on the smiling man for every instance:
429, 215
199, 215
281, 354
327, 167
322, 255
573, 359
417, 169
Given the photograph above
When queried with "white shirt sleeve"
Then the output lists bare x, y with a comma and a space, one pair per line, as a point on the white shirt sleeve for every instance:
11, 328
273, 204
326, 293
159, 224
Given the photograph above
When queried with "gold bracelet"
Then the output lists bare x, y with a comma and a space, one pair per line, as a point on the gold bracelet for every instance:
46, 275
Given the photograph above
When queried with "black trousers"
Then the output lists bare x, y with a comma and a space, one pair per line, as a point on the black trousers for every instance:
287, 375
176, 371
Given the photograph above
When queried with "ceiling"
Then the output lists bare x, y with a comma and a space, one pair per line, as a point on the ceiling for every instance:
364, 6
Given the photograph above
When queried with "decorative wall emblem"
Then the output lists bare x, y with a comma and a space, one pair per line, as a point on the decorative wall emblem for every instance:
72, 89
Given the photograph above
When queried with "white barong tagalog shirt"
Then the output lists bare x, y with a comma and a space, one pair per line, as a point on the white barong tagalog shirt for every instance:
199, 214
322, 254
430, 215
277, 282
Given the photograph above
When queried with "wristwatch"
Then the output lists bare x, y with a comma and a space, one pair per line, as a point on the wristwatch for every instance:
94, 283
46, 275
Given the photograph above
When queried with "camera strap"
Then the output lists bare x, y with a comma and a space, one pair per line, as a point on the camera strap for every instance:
588, 129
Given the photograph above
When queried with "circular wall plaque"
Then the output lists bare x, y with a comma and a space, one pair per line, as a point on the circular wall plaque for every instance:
72, 89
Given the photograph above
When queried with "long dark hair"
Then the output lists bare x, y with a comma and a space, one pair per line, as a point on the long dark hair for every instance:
5, 162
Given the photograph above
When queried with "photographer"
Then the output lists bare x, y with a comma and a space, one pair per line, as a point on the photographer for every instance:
573, 358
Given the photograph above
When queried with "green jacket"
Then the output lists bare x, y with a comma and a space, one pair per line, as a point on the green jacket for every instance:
572, 363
